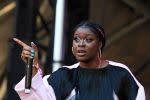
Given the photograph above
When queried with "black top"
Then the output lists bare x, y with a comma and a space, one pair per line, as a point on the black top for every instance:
94, 84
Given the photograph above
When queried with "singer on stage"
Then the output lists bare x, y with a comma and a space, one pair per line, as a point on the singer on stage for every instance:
92, 78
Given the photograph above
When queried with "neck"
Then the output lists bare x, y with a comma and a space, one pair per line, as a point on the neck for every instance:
96, 63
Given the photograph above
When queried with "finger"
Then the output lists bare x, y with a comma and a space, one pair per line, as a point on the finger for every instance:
26, 52
20, 42
27, 48
36, 65
34, 46
26, 56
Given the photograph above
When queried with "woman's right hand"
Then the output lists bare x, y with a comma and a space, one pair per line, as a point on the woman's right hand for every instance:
26, 54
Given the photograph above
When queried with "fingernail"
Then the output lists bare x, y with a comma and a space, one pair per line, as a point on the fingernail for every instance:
14, 38
32, 43
32, 50
31, 57
32, 54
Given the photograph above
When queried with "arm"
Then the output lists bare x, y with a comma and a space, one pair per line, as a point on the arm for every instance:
40, 89
140, 92
131, 89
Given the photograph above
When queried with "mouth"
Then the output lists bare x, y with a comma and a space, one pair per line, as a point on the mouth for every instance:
81, 52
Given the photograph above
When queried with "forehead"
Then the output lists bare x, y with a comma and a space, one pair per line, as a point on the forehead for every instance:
83, 31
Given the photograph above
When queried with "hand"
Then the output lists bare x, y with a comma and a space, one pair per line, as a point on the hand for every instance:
26, 53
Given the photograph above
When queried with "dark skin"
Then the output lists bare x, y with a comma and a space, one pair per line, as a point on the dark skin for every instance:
85, 48
26, 53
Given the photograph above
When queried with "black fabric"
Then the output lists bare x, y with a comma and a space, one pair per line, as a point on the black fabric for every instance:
94, 84
63, 81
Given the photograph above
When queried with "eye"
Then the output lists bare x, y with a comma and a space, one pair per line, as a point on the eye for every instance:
88, 40
76, 39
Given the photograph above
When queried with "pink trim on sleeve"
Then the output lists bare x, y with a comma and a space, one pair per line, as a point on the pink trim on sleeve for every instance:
40, 89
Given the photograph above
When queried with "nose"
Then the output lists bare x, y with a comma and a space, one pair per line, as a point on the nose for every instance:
81, 43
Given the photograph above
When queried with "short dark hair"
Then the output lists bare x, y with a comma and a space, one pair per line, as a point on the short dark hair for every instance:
96, 29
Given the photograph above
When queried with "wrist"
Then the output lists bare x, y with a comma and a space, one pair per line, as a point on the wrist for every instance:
35, 68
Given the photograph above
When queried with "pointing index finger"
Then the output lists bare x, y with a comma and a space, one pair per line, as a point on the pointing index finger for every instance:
20, 42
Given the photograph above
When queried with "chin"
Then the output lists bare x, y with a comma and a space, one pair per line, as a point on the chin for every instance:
82, 59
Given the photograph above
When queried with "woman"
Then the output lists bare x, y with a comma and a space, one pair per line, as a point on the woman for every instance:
91, 79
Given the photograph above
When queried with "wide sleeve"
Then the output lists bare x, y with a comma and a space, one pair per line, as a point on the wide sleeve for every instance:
140, 92
131, 88
40, 89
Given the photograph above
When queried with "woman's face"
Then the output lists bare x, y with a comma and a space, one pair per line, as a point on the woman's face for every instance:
85, 45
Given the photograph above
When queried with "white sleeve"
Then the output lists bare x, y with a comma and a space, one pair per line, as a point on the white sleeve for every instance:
40, 89
141, 93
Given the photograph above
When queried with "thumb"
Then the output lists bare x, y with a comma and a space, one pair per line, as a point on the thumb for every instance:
36, 54
34, 46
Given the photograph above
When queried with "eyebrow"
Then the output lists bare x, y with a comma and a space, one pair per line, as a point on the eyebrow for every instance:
87, 34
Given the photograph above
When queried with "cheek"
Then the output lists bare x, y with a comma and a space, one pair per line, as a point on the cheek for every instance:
92, 49
93, 46
93, 52
74, 48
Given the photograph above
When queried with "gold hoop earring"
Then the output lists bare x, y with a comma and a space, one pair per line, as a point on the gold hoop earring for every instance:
100, 53
100, 63
72, 51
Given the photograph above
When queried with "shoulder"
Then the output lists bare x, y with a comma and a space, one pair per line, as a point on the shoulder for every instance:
71, 66
123, 66
64, 70
119, 70
119, 65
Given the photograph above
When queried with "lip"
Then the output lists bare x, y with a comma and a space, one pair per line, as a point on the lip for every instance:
81, 52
